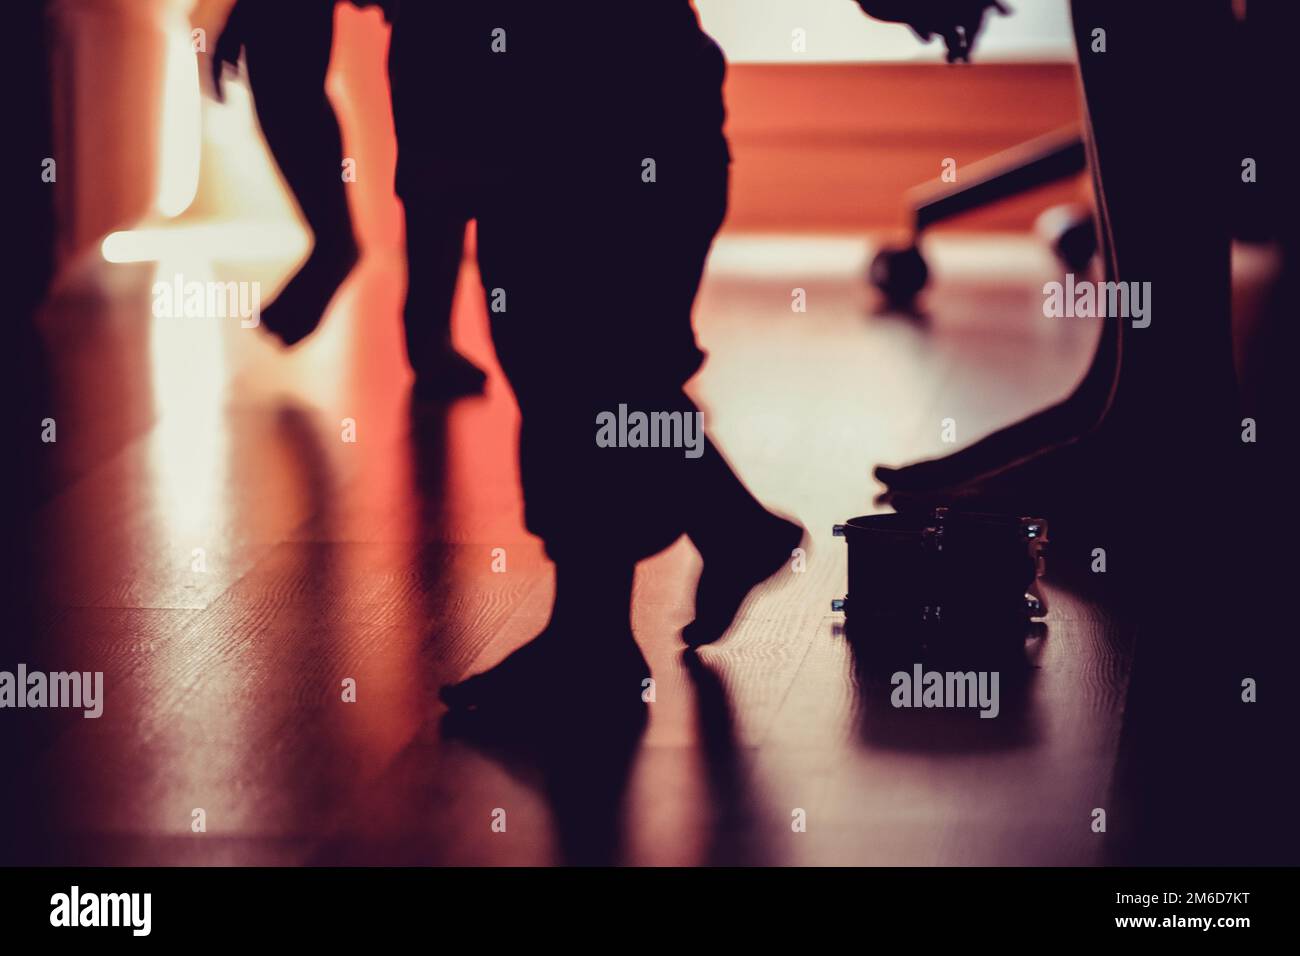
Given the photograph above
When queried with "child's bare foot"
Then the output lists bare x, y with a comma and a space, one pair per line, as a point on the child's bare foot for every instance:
298, 309
733, 566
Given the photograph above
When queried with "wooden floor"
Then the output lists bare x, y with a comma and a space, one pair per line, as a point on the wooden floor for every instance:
324, 560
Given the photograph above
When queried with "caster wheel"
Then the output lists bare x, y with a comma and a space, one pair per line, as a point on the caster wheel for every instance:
900, 274
1072, 234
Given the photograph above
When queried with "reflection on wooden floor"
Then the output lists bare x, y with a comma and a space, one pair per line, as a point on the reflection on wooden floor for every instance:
322, 560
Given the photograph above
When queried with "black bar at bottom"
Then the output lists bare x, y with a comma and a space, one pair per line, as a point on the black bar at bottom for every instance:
328, 906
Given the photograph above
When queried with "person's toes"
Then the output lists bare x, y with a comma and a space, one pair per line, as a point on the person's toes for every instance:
727, 578
300, 306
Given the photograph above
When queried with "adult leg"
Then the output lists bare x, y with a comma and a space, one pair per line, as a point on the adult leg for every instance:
287, 46
436, 175
1166, 227
1211, 599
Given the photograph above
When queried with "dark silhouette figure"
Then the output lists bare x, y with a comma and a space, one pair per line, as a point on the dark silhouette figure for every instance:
602, 179
287, 46
1153, 432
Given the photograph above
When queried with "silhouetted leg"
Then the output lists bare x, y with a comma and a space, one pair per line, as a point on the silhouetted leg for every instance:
601, 265
673, 225
287, 47
435, 239
742, 543
1172, 381
1213, 595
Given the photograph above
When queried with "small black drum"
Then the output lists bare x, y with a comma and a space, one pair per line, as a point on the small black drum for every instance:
948, 566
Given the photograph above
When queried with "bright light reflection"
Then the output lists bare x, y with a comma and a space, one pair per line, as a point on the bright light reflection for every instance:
227, 241
181, 127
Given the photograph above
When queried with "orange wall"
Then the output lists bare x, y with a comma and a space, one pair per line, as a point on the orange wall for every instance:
835, 147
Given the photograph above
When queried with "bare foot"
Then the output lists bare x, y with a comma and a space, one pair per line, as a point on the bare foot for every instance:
298, 309
753, 554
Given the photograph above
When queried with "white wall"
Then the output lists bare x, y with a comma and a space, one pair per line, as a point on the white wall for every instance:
837, 30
